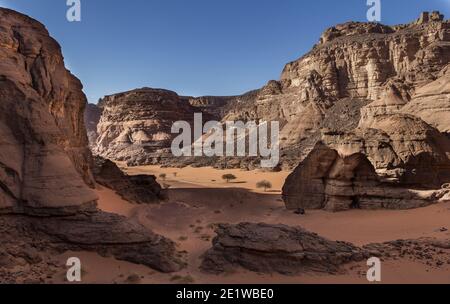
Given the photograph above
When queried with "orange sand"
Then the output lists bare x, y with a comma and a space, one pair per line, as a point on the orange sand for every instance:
199, 198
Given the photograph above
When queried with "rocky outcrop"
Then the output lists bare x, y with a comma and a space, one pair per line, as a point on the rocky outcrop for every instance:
391, 68
390, 103
432, 102
328, 179
46, 200
107, 234
140, 189
44, 158
92, 116
352, 61
281, 249
212, 105
401, 147
136, 126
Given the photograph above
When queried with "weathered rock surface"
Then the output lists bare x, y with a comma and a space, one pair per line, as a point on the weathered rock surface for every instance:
432, 102
281, 249
136, 126
92, 117
287, 250
328, 179
44, 158
106, 234
140, 189
392, 68
46, 200
352, 61
401, 147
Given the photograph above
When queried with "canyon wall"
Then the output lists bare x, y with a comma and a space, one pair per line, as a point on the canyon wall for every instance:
44, 156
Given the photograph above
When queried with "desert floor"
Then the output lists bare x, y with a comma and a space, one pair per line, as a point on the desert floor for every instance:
199, 198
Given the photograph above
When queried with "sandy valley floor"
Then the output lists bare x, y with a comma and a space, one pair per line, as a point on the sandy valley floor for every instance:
199, 198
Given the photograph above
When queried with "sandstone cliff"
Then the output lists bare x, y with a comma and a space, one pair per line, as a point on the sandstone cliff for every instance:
342, 180
357, 73
136, 126
47, 204
44, 158
92, 117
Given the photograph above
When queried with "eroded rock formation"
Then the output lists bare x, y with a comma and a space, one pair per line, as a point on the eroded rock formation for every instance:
140, 189
392, 68
432, 102
271, 249
281, 249
328, 179
136, 126
92, 117
46, 199
44, 158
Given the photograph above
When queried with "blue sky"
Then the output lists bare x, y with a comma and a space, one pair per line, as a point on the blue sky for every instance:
197, 47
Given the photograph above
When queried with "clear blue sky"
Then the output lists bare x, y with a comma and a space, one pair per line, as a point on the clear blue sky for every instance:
197, 47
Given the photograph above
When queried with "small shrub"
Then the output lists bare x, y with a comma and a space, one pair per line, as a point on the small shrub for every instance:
229, 177
264, 185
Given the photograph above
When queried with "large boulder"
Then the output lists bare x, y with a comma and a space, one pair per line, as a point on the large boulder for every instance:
140, 189
281, 249
401, 147
329, 180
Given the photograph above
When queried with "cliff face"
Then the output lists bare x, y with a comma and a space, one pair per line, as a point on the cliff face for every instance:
43, 138
400, 139
136, 126
394, 69
432, 102
92, 117
354, 61
46, 204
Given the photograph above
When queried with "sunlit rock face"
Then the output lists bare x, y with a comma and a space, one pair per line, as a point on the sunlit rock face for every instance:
353, 61
432, 102
357, 74
331, 180
136, 126
47, 206
44, 155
